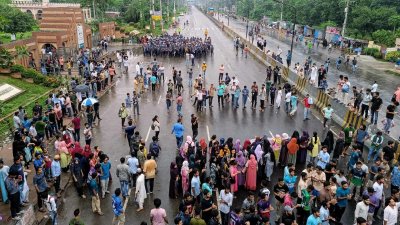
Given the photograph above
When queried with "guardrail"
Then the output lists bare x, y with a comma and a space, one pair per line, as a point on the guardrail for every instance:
343, 116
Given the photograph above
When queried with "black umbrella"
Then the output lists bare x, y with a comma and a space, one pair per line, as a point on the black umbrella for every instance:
81, 88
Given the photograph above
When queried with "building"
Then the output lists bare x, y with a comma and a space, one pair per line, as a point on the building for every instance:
36, 8
59, 28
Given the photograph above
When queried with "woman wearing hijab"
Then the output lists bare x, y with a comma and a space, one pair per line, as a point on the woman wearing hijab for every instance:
241, 165
237, 146
233, 172
315, 143
292, 147
251, 173
77, 149
77, 175
329, 141
185, 176
339, 146
173, 181
64, 154
303, 144
246, 145
270, 160
284, 151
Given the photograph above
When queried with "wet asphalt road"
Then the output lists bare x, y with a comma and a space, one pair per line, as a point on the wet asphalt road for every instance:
364, 77
225, 122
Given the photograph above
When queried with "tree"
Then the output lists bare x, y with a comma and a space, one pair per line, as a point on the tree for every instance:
21, 52
15, 21
394, 21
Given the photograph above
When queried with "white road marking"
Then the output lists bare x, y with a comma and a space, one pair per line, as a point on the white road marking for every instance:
148, 133
159, 99
208, 133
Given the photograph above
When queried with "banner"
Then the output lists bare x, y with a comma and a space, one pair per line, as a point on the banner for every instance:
157, 16
81, 38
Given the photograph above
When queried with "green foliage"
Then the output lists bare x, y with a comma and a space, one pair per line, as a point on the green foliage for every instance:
22, 52
328, 23
392, 56
385, 37
6, 59
14, 20
372, 52
29, 73
17, 68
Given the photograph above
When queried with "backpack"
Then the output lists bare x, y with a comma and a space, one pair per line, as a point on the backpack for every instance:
345, 88
310, 101
153, 126
155, 149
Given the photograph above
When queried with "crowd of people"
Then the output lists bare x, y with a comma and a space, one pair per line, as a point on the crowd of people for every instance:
177, 45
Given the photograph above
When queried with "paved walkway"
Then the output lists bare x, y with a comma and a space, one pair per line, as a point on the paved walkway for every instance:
370, 69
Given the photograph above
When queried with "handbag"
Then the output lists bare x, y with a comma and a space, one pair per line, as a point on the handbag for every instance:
232, 180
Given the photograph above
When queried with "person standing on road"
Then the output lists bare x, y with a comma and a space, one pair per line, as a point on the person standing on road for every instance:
77, 219
204, 68
221, 72
39, 180
327, 112
179, 102
135, 103
76, 121
94, 191
123, 114
158, 216
365, 103
155, 126
56, 174
376, 103
220, 93
307, 106
225, 203
124, 176
254, 94
293, 104
140, 190
289, 58
105, 176
118, 208
211, 94
390, 214
390, 112
195, 126
178, 129
245, 96
179, 82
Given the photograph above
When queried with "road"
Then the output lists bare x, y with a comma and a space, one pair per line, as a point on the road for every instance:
224, 122
366, 74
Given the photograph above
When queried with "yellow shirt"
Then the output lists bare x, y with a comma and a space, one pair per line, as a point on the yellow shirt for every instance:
149, 168
204, 67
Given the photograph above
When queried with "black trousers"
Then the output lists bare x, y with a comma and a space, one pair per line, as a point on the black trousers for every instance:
57, 182
364, 110
14, 204
149, 181
221, 100
41, 195
254, 101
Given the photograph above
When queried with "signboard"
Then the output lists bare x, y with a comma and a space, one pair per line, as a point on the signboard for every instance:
81, 37
157, 16
8, 91
332, 30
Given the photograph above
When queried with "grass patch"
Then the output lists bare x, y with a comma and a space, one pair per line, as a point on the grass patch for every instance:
6, 37
31, 91
393, 72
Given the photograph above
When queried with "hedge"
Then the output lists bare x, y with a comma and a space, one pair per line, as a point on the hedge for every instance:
392, 56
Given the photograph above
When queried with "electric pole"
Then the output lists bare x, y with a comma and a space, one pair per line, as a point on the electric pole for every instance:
346, 11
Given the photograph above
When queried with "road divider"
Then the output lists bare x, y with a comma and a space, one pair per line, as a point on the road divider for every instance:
353, 118
323, 99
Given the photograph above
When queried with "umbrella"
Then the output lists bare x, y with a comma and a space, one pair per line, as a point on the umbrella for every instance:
81, 88
89, 101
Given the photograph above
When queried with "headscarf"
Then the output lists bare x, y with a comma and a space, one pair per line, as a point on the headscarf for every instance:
203, 143
173, 170
259, 152
76, 166
237, 146
252, 163
246, 143
240, 159
292, 146
77, 149
87, 151
185, 166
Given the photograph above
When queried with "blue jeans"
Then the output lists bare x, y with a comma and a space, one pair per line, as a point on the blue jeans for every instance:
306, 112
374, 117
373, 152
190, 82
287, 105
244, 100
179, 109
388, 125
179, 141
168, 104
236, 102
53, 216
124, 187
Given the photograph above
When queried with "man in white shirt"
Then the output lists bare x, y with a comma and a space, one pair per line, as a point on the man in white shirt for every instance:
287, 101
378, 188
17, 121
391, 212
137, 69
32, 131
323, 157
362, 208
225, 202
374, 87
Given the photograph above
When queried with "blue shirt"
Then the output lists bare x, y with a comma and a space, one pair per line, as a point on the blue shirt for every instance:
105, 167
293, 100
396, 176
221, 90
361, 134
290, 181
312, 220
153, 79
38, 163
245, 92
340, 192
93, 187
323, 159
354, 158
133, 163
117, 205
178, 129
55, 168
40, 182
195, 184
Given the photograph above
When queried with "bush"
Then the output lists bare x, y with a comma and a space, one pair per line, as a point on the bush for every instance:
370, 51
29, 73
17, 68
392, 56
39, 79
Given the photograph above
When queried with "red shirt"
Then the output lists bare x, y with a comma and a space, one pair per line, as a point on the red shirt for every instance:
305, 100
77, 123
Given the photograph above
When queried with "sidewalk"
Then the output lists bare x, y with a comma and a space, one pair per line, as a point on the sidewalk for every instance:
369, 69
6, 154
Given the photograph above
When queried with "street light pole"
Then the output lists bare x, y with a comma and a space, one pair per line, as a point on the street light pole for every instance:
346, 11
291, 45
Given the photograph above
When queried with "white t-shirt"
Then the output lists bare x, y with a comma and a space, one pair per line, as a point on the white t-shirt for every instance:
378, 190
287, 96
390, 214
374, 87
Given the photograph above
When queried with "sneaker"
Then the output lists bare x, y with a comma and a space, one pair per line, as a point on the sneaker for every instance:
16, 218
21, 212
108, 192
83, 196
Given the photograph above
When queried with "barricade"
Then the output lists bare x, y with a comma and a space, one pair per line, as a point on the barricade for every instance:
285, 73
323, 99
300, 84
353, 118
